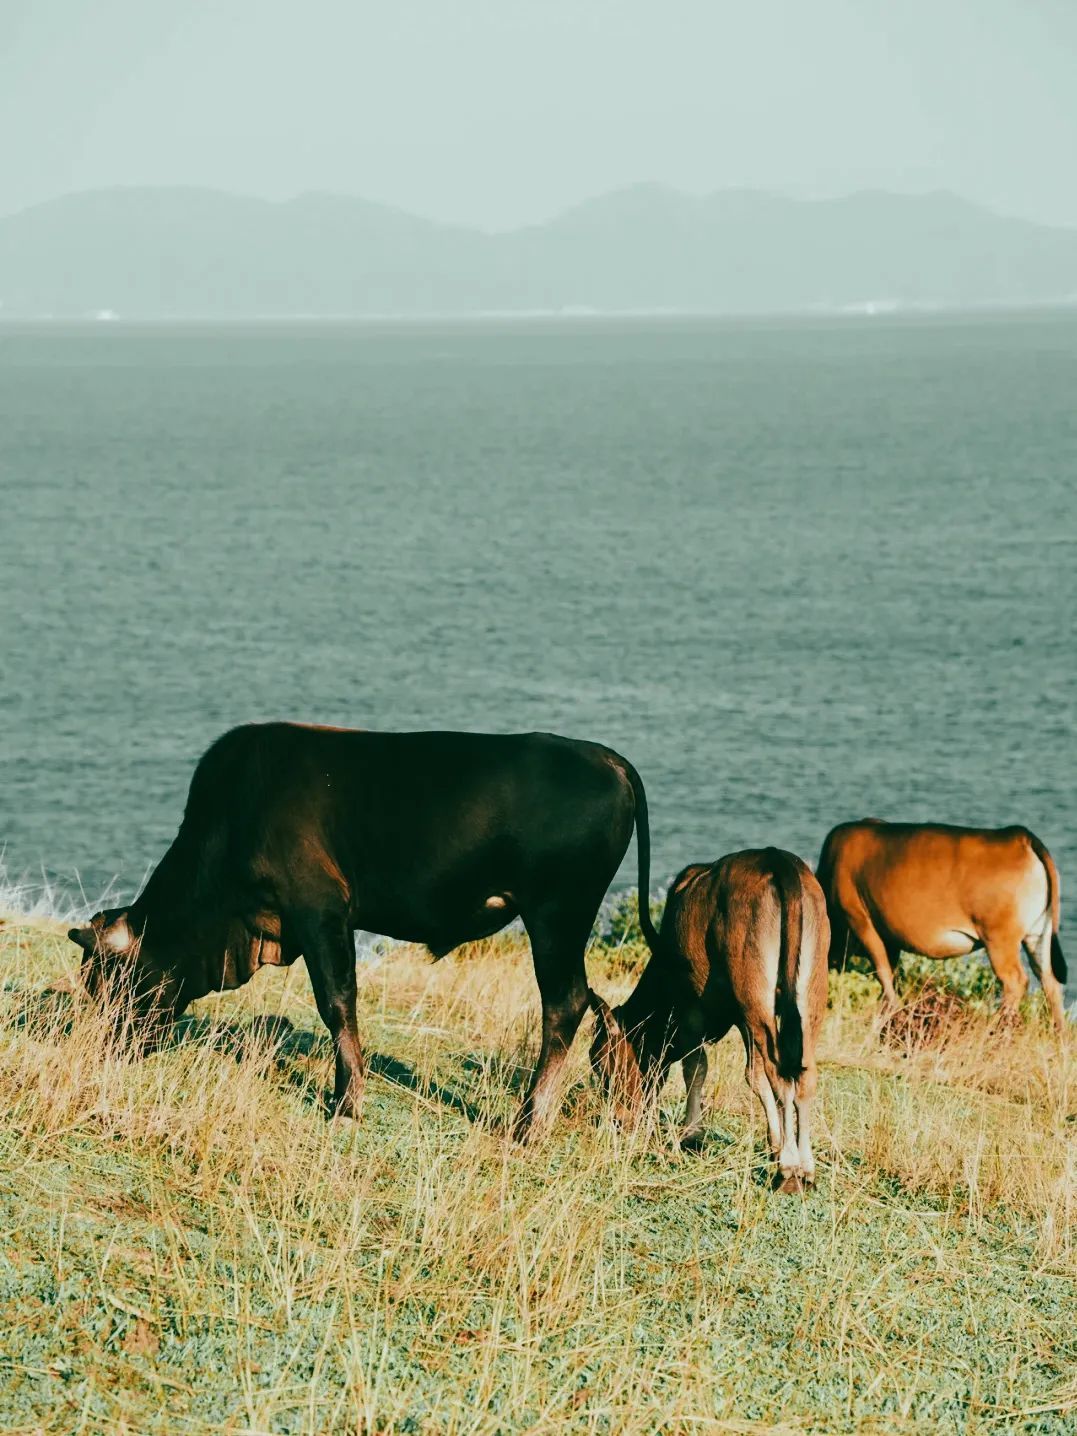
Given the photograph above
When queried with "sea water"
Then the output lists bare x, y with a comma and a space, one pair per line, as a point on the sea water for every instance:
798, 572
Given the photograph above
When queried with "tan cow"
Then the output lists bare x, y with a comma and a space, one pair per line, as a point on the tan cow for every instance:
743, 943
944, 892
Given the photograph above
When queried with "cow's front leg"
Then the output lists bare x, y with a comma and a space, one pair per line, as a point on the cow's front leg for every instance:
325, 941
562, 979
883, 956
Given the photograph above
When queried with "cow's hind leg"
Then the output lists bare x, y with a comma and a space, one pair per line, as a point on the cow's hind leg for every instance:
326, 943
762, 1077
805, 1095
558, 942
789, 1156
1038, 952
1004, 954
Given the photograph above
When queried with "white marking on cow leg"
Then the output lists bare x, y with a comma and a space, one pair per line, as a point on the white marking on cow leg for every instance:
544, 1101
770, 952
807, 1156
496, 901
789, 1158
756, 1077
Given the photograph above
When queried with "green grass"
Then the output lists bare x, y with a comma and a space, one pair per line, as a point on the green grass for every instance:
186, 1245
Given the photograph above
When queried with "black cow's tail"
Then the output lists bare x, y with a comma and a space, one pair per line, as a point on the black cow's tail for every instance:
643, 850
1054, 903
790, 1024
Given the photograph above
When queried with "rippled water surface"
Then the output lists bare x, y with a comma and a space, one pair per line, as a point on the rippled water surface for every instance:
797, 572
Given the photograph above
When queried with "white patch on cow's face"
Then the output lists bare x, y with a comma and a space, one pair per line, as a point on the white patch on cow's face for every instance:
496, 901
119, 936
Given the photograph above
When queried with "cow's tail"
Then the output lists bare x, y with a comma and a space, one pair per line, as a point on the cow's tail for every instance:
786, 879
1054, 903
1058, 961
643, 851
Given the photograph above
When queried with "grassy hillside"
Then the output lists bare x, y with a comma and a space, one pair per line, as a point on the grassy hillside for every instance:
186, 1245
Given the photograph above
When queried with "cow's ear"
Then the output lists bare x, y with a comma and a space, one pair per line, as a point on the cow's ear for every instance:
84, 936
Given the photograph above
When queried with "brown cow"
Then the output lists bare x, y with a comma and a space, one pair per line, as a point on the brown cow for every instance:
944, 892
743, 943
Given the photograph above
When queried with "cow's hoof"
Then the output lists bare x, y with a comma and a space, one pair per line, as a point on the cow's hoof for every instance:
349, 1107
692, 1141
790, 1184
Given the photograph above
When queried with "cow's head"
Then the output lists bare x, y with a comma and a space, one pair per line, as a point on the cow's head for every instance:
615, 1061
141, 989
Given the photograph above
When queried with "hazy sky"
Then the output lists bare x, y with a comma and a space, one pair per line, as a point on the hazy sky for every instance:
499, 112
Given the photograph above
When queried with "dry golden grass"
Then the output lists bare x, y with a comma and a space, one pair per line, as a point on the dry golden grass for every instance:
186, 1245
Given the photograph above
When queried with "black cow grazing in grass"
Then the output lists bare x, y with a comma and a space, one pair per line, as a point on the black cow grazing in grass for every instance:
296, 836
744, 942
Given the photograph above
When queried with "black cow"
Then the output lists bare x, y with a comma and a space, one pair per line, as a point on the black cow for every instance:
295, 836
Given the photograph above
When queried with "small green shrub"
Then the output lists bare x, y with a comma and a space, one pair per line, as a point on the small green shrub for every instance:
617, 940
969, 978
618, 922
853, 989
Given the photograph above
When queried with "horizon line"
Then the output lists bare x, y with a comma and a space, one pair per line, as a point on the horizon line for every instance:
869, 310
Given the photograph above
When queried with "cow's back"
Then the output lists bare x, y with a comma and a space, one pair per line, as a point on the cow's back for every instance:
410, 832
709, 909
270, 772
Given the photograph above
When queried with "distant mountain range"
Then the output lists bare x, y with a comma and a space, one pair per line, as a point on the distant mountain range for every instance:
194, 253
